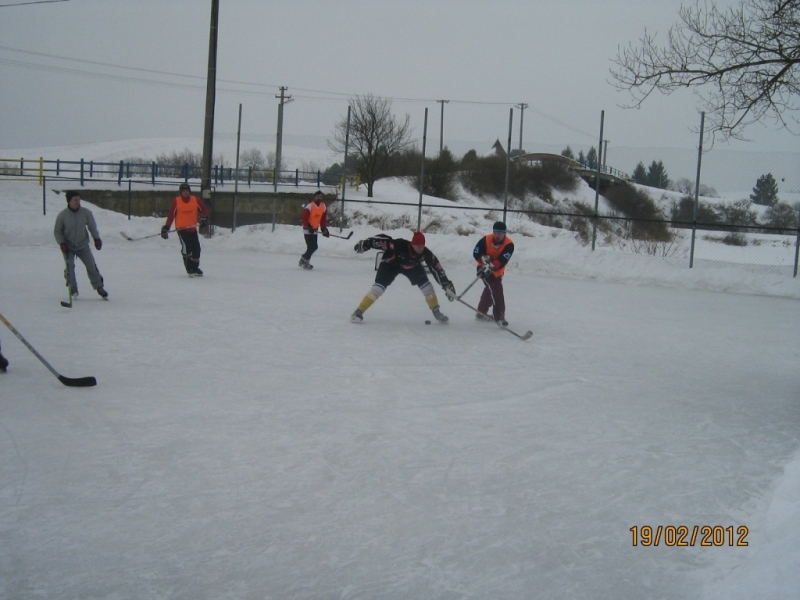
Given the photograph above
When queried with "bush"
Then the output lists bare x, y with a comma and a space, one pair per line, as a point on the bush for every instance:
647, 220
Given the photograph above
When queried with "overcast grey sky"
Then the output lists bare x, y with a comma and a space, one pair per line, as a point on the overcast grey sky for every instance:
485, 57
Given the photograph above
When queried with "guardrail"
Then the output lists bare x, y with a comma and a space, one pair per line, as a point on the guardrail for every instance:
82, 170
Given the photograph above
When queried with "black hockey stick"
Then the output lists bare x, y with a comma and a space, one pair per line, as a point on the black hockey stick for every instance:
342, 237
132, 239
67, 304
77, 382
524, 336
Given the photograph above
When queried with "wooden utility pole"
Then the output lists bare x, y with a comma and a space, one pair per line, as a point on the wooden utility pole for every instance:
211, 86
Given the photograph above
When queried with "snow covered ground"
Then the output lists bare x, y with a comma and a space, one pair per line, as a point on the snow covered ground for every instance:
245, 440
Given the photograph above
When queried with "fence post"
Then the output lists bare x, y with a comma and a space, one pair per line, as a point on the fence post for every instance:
44, 198
153, 172
81, 172
297, 178
58, 167
249, 175
344, 166
319, 179
597, 182
797, 244
696, 190
22, 167
422, 170
119, 177
508, 161
41, 171
129, 199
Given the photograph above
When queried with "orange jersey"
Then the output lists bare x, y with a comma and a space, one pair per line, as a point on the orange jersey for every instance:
500, 255
185, 212
315, 215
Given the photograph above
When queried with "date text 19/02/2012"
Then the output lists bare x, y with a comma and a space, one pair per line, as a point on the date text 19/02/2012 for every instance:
688, 536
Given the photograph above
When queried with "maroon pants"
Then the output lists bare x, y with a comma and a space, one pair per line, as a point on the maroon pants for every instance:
492, 296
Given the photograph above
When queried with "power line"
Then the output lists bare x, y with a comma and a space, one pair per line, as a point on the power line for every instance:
325, 94
31, 2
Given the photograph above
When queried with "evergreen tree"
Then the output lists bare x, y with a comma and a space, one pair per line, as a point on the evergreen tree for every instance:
657, 176
640, 174
591, 158
567, 153
766, 191
581, 158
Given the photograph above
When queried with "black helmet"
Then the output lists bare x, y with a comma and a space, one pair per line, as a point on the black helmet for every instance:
499, 227
184, 186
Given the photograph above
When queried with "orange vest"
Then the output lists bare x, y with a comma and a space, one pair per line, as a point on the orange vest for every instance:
495, 252
315, 213
186, 213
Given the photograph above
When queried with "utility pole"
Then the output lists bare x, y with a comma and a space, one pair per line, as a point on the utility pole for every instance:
441, 125
211, 85
522, 106
284, 99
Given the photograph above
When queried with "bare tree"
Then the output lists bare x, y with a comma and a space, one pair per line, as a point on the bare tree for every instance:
375, 135
742, 62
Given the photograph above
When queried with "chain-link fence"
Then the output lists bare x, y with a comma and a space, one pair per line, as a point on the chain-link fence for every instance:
689, 208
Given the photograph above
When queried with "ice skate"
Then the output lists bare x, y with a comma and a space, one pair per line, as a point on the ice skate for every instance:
439, 316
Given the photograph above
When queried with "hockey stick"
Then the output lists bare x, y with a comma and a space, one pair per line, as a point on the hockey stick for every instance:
341, 237
461, 295
68, 303
524, 336
131, 239
77, 382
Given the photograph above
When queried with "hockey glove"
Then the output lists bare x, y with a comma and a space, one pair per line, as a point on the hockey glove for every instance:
362, 246
64, 248
165, 232
485, 271
325, 232
449, 290
98, 243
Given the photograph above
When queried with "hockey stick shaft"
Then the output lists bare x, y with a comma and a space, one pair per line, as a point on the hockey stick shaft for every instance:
461, 295
68, 303
130, 239
341, 237
77, 382
524, 336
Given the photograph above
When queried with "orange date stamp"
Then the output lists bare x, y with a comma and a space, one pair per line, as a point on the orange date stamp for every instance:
689, 536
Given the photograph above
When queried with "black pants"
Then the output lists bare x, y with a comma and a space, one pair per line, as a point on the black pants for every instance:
387, 273
311, 245
190, 249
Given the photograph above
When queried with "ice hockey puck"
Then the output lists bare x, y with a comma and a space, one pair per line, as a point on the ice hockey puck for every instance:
427, 322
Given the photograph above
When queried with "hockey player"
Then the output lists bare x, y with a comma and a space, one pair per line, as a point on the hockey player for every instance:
493, 253
404, 257
72, 237
315, 215
187, 211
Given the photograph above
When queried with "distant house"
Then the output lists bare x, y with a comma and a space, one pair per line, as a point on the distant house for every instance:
499, 150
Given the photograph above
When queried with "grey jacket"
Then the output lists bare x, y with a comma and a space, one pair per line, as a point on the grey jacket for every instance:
71, 228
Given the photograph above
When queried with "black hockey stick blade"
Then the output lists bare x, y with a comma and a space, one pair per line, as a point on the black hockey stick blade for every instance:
342, 237
66, 304
78, 381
